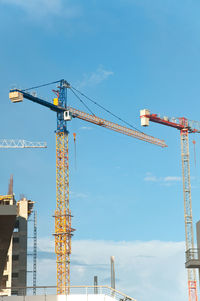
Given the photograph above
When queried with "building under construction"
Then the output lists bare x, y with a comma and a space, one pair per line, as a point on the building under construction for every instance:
14, 217
13, 241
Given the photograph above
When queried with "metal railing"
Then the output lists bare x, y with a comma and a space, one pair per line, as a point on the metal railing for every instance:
74, 290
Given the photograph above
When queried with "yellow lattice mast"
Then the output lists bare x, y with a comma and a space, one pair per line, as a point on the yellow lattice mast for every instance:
63, 230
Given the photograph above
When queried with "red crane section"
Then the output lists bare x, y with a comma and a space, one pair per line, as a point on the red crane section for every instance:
185, 127
180, 123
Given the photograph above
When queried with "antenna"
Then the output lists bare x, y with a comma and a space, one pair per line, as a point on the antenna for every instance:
95, 285
112, 265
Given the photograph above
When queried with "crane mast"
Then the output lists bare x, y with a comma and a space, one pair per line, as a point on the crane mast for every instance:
63, 229
189, 238
181, 124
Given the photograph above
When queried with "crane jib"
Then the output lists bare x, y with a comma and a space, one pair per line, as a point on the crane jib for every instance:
115, 127
18, 95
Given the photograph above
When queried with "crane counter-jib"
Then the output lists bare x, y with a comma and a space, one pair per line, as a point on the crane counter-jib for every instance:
18, 95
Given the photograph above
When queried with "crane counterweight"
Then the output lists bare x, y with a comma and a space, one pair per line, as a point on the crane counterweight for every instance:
16, 96
144, 117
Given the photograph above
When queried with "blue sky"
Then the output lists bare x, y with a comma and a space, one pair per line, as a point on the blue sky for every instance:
127, 55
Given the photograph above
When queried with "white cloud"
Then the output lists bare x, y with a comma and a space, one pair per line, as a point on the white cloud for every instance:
95, 78
39, 8
152, 270
87, 128
168, 180
172, 179
150, 178
46, 244
80, 195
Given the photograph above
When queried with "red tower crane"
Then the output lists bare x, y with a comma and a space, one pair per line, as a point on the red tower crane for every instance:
185, 127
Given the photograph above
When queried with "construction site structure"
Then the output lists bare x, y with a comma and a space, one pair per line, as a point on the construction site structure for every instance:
33, 231
197, 251
63, 229
77, 293
95, 284
13, 236
35, 253
21, 143
22, 214
185, 127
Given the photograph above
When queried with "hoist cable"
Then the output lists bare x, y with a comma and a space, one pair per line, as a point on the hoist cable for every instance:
73, 89
75, 159
48, 84
83, 102
127, 123
194, 142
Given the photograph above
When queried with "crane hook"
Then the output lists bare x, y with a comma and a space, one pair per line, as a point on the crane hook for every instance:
194, 142
74, 134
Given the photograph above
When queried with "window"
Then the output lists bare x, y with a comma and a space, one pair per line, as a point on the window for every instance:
15, 275
15, 239
15, 257
16, 228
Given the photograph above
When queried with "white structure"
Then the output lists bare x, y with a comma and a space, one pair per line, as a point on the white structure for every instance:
77, 293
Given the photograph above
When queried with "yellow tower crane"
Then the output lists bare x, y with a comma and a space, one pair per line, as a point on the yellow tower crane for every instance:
63, 229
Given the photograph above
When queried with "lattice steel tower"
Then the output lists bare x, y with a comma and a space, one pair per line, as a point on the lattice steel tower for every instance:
63, 230
185, 127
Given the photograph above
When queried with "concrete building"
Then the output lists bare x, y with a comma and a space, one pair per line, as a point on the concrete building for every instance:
13, 242
8, 214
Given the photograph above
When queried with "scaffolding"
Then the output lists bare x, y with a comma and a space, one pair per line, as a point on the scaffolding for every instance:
34, 252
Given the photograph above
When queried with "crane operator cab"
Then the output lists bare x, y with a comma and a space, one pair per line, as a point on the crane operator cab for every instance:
67, 116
